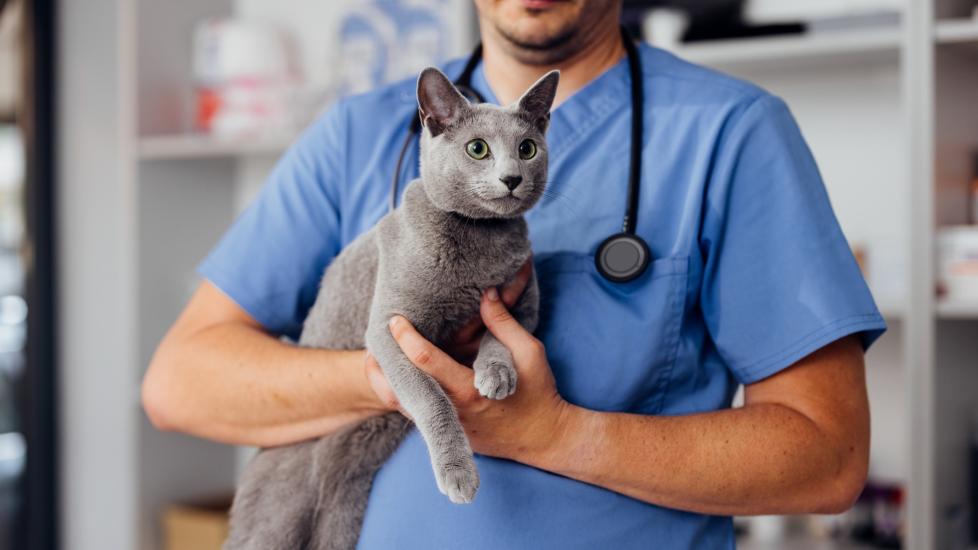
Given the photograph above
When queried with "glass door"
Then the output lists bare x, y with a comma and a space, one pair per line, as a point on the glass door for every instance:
28, 504
13, 302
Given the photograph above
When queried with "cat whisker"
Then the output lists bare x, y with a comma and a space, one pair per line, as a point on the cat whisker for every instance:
560, 199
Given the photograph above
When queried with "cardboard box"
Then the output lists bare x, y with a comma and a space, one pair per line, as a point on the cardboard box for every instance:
202, 526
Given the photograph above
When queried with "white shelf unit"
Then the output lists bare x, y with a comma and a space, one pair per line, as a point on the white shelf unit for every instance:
953, 113
846, 89
957, 310
202, 146
833, 47
887, 112
957, 31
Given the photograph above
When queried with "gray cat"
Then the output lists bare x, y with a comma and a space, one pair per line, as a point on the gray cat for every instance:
459, 231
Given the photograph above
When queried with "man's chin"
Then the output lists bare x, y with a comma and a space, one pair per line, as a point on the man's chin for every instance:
538, 24
541, 40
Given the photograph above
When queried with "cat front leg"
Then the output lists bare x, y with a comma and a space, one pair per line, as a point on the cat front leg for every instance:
495, 375
433, 413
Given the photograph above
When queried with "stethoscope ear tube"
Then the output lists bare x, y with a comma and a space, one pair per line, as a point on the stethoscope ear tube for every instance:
392, 199
463, 84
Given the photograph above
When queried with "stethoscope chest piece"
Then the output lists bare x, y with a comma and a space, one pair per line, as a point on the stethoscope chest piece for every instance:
622, 258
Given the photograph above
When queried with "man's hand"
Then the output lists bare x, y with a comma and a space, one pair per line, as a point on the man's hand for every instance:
466, 342
518, 427
800, 443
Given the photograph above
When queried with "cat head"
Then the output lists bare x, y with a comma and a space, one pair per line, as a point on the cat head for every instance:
480, 160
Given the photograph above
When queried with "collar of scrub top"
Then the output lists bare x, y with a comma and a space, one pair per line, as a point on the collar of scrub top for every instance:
622, 257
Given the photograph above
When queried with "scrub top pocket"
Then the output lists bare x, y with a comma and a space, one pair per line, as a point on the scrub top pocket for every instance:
611, 346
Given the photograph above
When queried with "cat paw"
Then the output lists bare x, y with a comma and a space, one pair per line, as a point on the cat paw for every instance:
458, 482
495, 379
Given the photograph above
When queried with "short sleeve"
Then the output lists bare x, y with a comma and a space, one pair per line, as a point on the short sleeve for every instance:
779, 280
271, 259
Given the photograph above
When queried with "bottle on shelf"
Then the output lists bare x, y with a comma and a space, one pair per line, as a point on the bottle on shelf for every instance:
973, 191
973, 464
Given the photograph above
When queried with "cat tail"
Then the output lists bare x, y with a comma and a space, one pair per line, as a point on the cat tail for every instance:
352, 459
313, 495
273, 505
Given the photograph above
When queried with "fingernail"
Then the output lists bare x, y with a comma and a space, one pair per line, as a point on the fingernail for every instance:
394, 321
492, 294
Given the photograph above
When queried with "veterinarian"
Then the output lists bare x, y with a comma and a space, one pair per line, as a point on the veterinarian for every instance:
620, 434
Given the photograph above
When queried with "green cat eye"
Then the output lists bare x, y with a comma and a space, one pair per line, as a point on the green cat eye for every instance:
477, 149
528, 149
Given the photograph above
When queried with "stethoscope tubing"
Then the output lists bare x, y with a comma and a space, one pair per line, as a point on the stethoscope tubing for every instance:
609, 259
463, 83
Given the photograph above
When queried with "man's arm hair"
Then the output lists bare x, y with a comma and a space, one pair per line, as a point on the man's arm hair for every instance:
800, 444
217, 374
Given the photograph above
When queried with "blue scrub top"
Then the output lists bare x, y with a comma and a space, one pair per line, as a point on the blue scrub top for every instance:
751, 273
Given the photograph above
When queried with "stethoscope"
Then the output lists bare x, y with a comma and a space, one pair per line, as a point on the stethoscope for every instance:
622, 257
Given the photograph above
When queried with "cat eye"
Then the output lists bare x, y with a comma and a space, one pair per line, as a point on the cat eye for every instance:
477, 149
527, 149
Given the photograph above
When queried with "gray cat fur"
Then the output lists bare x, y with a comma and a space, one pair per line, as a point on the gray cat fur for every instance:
458, 231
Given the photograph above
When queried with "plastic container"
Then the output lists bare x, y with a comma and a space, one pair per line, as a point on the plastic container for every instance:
246, 76
973, 192
957, 252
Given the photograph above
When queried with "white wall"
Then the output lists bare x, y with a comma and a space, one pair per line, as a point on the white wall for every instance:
96, 283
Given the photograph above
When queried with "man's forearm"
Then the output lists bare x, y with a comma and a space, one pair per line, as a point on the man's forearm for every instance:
800, 443
760, 459
233, 383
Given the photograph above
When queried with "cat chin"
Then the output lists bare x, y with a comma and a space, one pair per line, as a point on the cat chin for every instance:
501, 208
495, 213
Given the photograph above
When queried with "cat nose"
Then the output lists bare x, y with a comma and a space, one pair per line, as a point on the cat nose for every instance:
512, 182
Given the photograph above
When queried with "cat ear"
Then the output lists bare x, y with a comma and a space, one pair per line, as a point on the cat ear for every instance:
439, 102
536, 102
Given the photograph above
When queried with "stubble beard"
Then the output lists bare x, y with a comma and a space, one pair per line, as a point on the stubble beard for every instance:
548, 51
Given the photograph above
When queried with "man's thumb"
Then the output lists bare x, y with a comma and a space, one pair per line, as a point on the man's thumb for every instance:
503, 325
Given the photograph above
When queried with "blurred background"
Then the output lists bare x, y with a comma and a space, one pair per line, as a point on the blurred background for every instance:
133, 131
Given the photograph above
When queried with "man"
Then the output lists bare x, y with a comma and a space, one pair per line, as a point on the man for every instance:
620, 433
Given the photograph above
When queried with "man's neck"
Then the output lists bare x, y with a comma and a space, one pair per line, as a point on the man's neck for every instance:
509, 77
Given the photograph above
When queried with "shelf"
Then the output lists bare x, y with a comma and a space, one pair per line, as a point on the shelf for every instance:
957, 310
850, 45
800, 542
957, 31
201, 146
890, 309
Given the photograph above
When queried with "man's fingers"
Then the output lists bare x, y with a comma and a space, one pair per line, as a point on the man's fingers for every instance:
378, 382
507, 329
469, 331
512, 290
427, 357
